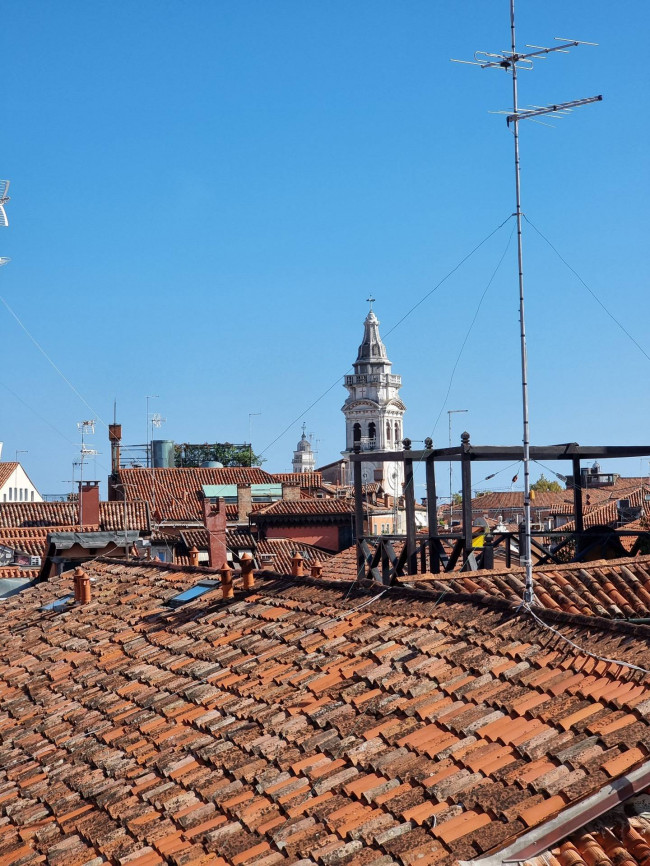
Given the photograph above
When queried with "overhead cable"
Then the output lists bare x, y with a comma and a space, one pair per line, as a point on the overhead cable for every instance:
590, 290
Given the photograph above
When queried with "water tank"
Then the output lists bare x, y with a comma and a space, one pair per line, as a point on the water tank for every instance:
211, 464
163, 453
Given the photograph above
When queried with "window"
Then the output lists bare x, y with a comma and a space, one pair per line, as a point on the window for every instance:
387, 431
396, 432
21, 494
10, 494
372, 430
193, 592
59, 603
4, 497
32, 496
356, 432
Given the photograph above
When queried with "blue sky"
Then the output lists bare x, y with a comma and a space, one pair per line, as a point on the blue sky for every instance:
204, 194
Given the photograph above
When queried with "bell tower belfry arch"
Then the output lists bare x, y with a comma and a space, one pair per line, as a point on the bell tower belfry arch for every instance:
373, 410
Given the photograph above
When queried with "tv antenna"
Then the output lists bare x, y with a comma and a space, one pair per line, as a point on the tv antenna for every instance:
85, 428
4, 198
513, 61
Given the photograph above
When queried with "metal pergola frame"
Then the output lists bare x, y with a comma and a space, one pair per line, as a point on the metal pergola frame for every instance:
466, 454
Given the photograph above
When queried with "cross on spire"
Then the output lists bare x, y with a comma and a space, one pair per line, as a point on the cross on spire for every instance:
370, 300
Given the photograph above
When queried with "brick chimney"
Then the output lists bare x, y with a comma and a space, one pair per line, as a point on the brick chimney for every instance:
244, 502
214, 519
291, 492
88, 504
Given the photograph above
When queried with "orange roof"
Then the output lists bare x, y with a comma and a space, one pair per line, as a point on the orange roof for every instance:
6, 471
301, 721
176, 494
306, 480
62, 515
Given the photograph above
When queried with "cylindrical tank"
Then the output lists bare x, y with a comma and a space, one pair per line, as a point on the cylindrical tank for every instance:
163, 453
211, 464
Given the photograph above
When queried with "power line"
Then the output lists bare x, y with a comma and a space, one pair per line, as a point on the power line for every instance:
51, 362
395, 326
590, 290
469, 330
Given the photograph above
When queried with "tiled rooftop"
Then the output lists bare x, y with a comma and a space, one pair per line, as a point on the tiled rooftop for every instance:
179, 492
299, 507
613, 588
621, 836
62, 515
280, 550
302, 722
306, 480
6, 471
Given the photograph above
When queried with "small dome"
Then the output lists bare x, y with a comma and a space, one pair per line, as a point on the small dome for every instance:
304, 444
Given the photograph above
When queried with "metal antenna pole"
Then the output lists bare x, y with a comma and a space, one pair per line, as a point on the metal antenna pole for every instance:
511, 61
526, 560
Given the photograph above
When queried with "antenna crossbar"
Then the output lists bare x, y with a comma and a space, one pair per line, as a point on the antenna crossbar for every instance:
555, 110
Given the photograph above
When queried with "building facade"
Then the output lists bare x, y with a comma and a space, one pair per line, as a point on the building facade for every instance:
373, 410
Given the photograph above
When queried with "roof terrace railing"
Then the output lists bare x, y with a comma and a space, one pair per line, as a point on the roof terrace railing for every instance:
579, 544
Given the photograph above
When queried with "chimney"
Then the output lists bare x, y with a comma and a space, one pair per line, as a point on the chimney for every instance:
316, 569
214, 519
297, 565
81, 586
194, 556
115, 438
226, 581
244, 502
88, 503
291, 492
247, 565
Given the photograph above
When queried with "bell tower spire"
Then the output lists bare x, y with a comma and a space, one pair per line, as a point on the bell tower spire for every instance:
373, 410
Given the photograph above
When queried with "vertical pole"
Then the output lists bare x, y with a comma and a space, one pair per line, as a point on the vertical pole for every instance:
409, 502
432, 515
451, 495
526, 560
358, 511
577, 495
466, 477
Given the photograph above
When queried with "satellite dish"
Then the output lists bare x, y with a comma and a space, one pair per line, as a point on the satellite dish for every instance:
4, 198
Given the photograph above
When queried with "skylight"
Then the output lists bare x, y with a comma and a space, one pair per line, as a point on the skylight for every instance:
59, 603
193, 592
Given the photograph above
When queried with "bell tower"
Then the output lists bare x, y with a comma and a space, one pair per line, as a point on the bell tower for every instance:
373, 410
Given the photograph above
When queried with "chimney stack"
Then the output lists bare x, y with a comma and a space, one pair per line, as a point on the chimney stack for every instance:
214, 519
88, 504
194, 556
244, 502
115, 438
226, 581
247, 566
81, 586
291, 492
297, 565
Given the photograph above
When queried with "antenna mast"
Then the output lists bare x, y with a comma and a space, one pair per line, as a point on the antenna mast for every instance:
511, 61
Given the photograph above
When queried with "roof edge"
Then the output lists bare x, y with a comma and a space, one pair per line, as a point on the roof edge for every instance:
539, 839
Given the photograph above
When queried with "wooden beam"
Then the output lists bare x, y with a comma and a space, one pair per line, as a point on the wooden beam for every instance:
432, 517
358, 515
510, 453
577, 495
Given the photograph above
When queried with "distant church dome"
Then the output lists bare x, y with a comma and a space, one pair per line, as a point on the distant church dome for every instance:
304, 444
304, 459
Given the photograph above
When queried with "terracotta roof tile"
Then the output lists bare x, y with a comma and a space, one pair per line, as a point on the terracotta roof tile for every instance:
263, 731
175, 494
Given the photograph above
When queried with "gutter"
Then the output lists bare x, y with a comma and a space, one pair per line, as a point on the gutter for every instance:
547, 835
